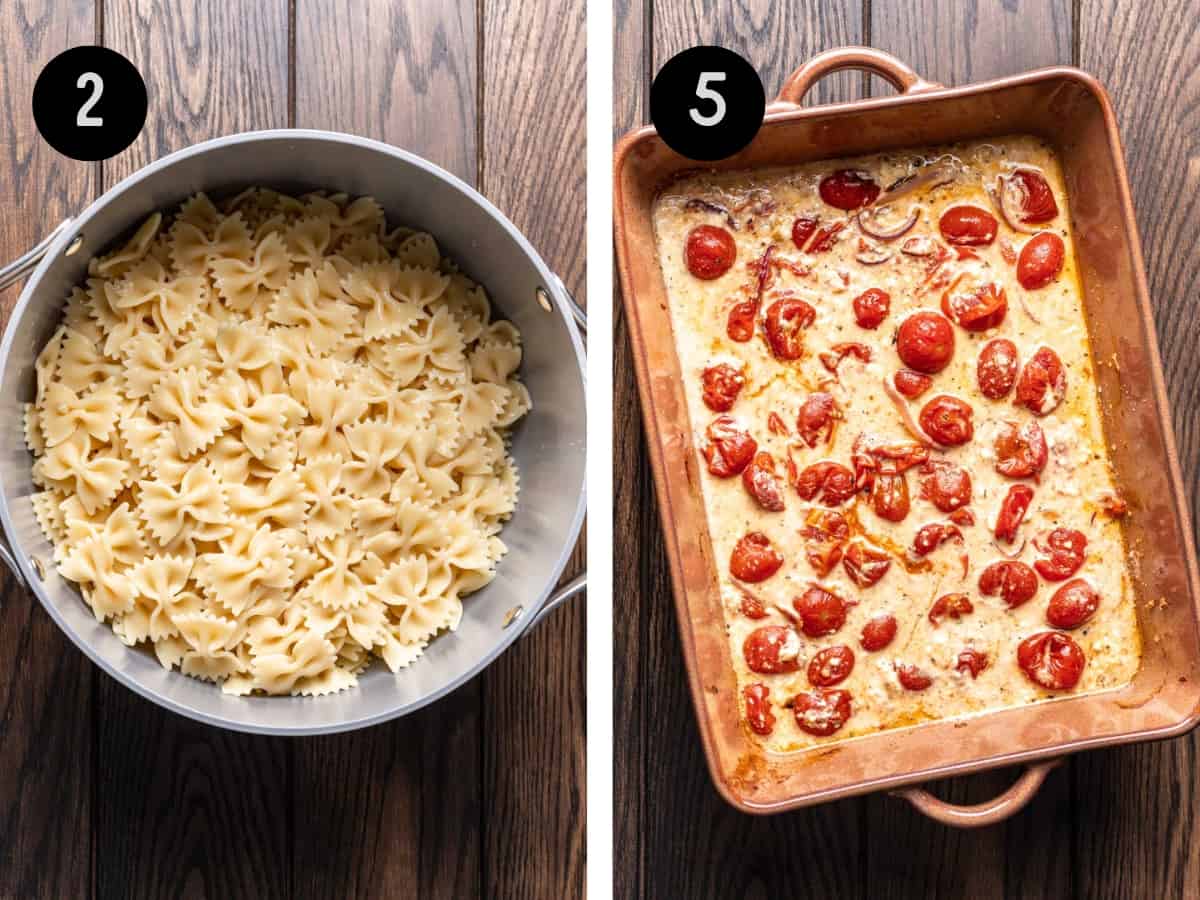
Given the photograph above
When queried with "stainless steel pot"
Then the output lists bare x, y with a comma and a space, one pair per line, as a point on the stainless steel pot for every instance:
548, 444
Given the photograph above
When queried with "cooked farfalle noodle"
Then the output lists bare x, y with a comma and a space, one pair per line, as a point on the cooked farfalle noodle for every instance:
269, 438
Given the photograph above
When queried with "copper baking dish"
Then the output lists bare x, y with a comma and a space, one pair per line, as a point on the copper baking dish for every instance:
1071, 110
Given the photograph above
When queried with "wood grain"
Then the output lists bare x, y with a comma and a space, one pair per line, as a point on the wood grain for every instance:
531, 165
1146, 796
46, 727
183, 809
401, 801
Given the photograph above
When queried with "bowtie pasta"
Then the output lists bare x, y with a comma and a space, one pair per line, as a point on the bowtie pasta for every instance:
271, 440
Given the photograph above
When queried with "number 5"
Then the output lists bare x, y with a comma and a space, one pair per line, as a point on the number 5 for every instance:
704, 92
84, 118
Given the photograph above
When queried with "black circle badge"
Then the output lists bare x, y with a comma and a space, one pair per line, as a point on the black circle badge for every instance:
89, 103
707, 103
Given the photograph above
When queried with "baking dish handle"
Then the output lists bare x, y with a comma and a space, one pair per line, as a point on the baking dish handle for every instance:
995, 810
576, 585
865, 59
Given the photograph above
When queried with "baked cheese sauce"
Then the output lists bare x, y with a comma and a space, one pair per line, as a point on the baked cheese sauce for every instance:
1074, 490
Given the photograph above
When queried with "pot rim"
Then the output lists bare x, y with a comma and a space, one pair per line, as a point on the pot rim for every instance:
563, 306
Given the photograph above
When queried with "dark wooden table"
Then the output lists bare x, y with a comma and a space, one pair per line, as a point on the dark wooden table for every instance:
1119, 823
103, 794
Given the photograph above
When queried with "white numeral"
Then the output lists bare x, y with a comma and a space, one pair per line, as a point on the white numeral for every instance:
84, 119
704, 92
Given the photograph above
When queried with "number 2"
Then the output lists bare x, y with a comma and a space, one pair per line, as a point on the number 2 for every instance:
84, 119
704, 92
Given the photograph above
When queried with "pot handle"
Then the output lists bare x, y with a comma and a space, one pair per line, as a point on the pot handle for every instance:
995, 810
22, 265
576, 585
865, 59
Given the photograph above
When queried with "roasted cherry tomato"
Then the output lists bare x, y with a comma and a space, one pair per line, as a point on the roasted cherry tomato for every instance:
976, 309
815, 420
824, 533
709, 251
754, 559
925, 342
1052, 660
1014, 581
911, 384
847, 189
825, 238
752, 607
1020, 451
828, 482
772, 650
1012, 511
758, 708
821, 712
971, 662
1066, 549
1072, 604
821, 612
963, 517
889, 496
721, 383
775, 425
871, 307
1043, 382
945, 485
784, 326
968, 226
802, 229
997, 368
831, 666
947, 420
865, 563
912, 678
1040, 261
929, 537
878, 632
832, 357
740, 325
1037, 200
950, 606
729, 448
762, 483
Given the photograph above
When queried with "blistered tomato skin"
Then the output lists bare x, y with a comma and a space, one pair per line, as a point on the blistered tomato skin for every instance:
815, 420
1038, 203
878, 632
1040, 261
889, 497
912, 678
929, 537
763, 484
1020, 450
1050, 659
829, 483
968, 226
824, 535
925, 342
802, 229
1013, 581
950, 606
752, 607
847, 189
772, 650
831, 666
740, 324
1043, 382
864, 563
947, 420
709, 252
971, 662
758, 708
754, 559
1072, 604
911, 384
729, 449
721, 384
821, 612
871, 308
979, 309
1012, 511
945, 485
1066, 550
997, 368
784, 326
821, 712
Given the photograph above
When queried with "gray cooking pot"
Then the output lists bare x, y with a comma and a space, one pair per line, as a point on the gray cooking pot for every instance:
548, 444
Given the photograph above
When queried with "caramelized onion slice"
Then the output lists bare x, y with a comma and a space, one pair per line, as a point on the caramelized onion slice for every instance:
869, 223
906, 416
1007, 197
873, 256
926, 178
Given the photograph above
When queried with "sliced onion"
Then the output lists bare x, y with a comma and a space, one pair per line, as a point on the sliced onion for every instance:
1010, 554
927, 177
1004, 193
906, 416
873, 256
1025, 308
870, 226
698, 203
922, 245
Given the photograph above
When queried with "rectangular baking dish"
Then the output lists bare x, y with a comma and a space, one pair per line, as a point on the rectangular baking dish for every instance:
1071, 110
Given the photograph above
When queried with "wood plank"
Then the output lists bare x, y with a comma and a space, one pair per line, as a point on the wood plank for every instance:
956, 43
45, 683
183, 809
400, 801
532, 157
687, 842
1146, 796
